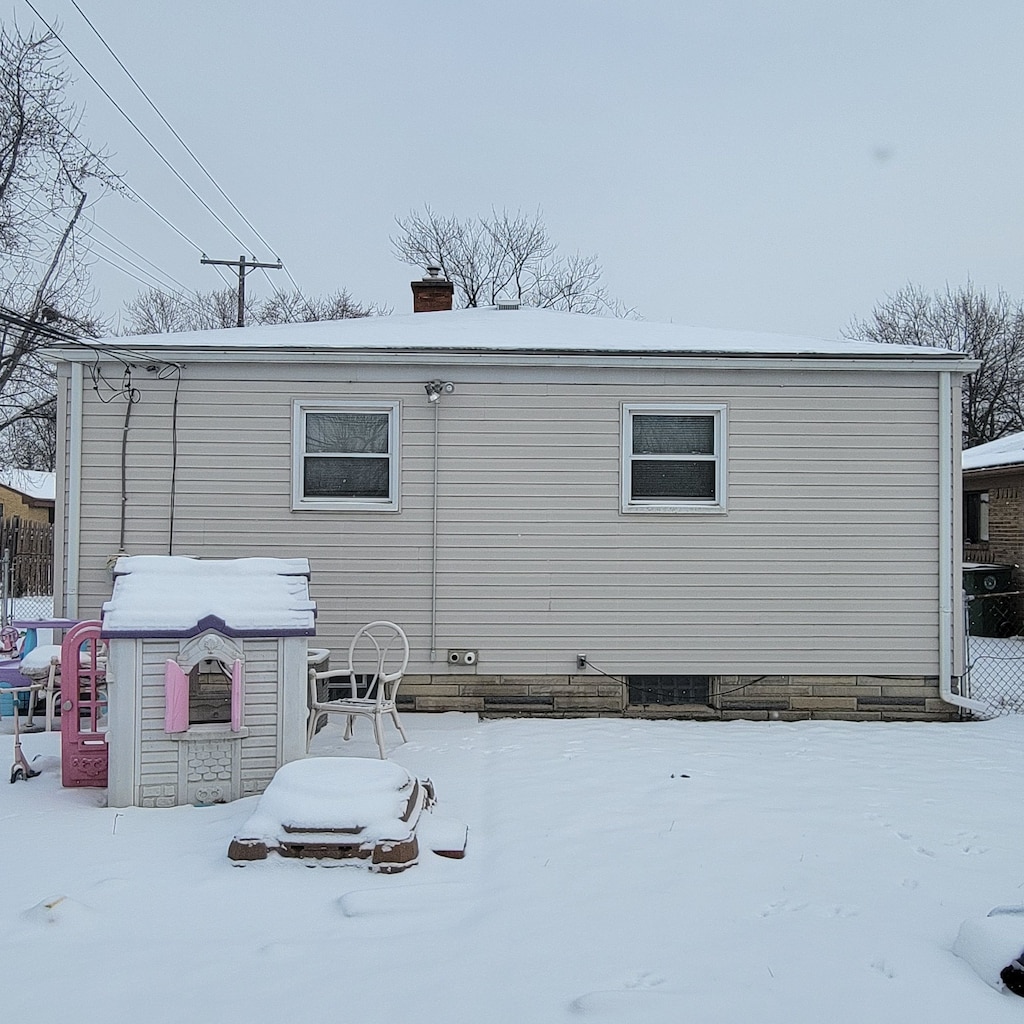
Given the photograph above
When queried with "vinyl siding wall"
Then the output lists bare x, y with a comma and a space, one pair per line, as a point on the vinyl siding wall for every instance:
826, 562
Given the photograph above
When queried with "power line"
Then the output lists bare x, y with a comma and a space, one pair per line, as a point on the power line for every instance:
121, 184
154, 210
95, 225
133, 193
89, 152
184, 289
153, 280
140, 132
171, 128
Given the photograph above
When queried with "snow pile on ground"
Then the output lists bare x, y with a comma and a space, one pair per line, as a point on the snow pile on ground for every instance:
617, 871
991, 942
356, 794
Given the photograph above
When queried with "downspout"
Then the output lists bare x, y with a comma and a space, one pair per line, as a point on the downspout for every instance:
74, 492
946, 553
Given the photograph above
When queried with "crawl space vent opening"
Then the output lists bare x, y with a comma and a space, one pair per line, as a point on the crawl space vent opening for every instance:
669, 689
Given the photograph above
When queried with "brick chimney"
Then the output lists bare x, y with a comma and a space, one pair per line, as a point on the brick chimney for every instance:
432, 293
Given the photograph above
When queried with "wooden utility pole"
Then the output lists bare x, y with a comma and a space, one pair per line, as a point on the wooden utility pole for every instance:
243, 267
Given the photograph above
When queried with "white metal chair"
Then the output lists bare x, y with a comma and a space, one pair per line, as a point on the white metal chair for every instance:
377, 659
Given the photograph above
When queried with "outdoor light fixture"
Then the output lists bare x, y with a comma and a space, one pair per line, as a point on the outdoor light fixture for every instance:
436, 388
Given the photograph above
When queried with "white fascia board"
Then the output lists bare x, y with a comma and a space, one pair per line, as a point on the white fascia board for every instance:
430, 357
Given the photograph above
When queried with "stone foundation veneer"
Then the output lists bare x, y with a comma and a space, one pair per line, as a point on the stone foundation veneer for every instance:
781, 698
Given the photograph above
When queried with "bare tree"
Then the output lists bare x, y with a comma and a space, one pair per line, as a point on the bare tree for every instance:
45, 169
989, 329
294, 307
160, 312
506, 255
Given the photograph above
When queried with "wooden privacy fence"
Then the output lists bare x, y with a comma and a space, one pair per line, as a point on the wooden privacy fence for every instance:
29, 548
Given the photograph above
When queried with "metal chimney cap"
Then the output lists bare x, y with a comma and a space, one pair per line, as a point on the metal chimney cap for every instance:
433, 271
506, 303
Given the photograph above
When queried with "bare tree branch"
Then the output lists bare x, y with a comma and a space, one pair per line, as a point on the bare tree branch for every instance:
159, 312
506, 255
45, 170
989, 329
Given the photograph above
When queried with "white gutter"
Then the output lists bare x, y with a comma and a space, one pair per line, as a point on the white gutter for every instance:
947, 556
74, 491
417, 355
410, 357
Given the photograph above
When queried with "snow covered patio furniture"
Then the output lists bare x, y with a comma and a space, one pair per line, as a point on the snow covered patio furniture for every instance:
42, 666
343, 808
207, 676
377, 659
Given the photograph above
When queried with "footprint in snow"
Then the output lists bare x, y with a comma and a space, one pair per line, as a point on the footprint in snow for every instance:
644, 980
782, 905
882, 966
838, 910
638, 1006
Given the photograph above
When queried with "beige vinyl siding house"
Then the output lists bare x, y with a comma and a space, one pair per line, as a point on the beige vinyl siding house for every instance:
723, 524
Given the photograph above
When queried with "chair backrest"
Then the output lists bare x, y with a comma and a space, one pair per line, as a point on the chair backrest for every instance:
378, 656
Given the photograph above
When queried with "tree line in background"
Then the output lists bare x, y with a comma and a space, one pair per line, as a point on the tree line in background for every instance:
161, 312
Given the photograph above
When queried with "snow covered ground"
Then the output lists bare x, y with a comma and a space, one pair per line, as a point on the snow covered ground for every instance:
617, 871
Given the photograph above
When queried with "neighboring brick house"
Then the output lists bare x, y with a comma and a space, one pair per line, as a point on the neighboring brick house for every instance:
28, 494
993, 486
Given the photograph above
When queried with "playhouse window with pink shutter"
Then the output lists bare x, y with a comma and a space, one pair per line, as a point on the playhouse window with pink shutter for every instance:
209, 693
204, 692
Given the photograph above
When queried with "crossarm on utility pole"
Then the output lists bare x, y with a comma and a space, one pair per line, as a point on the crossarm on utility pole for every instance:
243, 267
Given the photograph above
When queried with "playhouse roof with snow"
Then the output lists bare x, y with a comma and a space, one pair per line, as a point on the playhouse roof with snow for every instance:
174, 596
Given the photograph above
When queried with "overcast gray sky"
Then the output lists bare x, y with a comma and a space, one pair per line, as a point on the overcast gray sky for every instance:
775, 165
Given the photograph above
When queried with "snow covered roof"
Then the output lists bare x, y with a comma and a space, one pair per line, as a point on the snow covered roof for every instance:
31, 483
487, 329
1004, 451
172, 596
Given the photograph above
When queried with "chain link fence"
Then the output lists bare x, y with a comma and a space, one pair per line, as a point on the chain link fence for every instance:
995, 650
24, 593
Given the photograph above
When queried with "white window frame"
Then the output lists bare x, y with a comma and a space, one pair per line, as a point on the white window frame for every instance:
673, 506
300, 409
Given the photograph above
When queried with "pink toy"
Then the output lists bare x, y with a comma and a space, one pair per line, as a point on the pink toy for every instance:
83, 669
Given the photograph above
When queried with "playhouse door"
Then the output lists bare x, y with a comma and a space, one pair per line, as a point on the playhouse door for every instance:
83, 707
